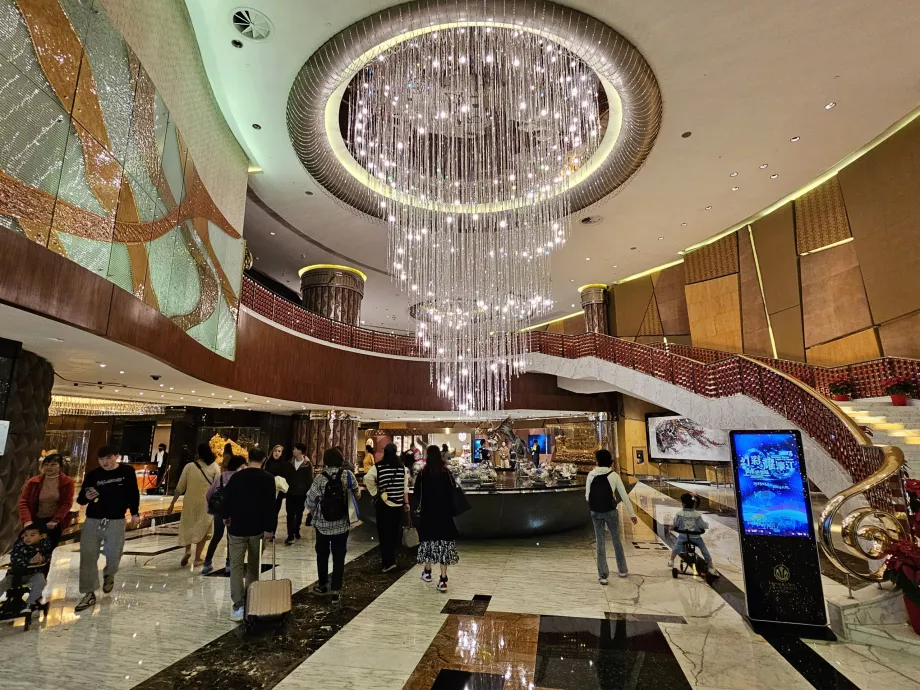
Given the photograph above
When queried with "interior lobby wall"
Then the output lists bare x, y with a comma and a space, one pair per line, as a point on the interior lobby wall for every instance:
97, 167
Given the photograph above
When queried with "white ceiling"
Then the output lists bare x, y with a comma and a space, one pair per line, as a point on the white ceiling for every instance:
77, 356
744, 78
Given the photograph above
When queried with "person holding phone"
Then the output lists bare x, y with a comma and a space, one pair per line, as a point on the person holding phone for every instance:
107, 492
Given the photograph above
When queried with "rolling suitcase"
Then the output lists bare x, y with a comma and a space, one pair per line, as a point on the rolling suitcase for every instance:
268, 599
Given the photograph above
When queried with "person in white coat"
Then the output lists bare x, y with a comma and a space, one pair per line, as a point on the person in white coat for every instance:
604, 490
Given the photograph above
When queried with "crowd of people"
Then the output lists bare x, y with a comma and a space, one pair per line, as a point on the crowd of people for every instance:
414, 499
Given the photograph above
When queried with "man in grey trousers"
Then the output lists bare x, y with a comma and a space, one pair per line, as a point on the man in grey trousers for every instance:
107, 492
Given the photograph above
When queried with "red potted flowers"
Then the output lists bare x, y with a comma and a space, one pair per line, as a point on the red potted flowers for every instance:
841, 389
902, 567
898, 387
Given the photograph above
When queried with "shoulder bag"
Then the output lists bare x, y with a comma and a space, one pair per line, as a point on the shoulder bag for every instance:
461, 503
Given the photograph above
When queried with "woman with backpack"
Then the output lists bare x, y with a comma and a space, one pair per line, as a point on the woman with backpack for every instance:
388, 483
604, 490
434, 495
214, 498
194, 522
328, 506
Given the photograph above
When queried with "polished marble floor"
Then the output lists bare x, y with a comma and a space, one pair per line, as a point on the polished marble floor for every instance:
526, 614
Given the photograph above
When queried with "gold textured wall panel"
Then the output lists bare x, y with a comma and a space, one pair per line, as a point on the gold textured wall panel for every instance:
713, 260
858, 347
651, 324
834, 300
787, 334
672, 301
821, 217
774, 242
901, 338
632, 299
883, 205
754, 330
714, 310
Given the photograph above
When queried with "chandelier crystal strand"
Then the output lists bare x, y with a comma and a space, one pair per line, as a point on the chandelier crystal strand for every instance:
474, 132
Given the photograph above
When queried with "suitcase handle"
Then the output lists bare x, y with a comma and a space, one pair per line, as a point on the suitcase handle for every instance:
273, 558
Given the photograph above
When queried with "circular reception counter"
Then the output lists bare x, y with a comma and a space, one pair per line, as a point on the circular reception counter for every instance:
514, 507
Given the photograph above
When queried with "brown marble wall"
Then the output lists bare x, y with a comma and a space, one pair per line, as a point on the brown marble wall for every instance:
632, 299
858, 347
834, 300
672, 301
755, 332
714, 309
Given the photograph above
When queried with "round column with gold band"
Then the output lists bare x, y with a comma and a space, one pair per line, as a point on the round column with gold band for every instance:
333, 291
594, 304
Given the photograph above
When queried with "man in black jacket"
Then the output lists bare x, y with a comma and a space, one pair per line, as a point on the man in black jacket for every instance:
248, 509
300, 479
107, 492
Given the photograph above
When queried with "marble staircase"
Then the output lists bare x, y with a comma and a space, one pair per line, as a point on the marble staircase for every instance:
890, 425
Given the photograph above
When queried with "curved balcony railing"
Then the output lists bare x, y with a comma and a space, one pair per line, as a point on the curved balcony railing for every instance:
791, 389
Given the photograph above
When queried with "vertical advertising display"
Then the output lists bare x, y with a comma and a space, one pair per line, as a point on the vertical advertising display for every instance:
782, 573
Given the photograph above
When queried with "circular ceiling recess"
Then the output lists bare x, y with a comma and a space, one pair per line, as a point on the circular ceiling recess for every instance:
251, 23
605, 72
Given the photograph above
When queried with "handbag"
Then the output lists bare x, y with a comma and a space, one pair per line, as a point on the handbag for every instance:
217, 498
461, 503
409, 534
354, 515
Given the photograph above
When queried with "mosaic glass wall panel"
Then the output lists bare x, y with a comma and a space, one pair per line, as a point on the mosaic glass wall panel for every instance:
93, 167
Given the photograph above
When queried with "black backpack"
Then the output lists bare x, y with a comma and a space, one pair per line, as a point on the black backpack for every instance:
217, 498
332, 505
601, 497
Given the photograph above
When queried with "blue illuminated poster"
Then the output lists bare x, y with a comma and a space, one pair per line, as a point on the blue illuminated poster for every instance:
771, 485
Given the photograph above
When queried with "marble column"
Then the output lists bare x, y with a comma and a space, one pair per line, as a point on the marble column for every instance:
333, 291
322, 430
594, 303
25, 396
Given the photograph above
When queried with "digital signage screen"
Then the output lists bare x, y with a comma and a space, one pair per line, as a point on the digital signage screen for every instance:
771, 484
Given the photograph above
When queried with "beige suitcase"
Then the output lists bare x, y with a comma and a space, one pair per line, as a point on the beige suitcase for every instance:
268, 599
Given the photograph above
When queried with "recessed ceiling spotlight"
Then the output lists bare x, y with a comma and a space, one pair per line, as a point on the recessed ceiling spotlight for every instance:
573, 305
709, 208
272, 234
308, 193
121, 372
686, 135
734, 174
571, 280
587, 258
773, 176
102, 365
255, 125
763, 166
236, 44
117, 390
683, 225
57, 340
591, 220
614, 265
632, 249
735, 189
661, 238
830, 105
794, 139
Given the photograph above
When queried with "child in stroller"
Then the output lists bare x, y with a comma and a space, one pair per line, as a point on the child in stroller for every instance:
690, 526
29, 562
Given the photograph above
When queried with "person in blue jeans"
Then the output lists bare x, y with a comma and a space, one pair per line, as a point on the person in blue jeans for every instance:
690, 519
604, 490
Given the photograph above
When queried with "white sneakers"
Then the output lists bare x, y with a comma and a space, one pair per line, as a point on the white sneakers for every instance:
236, 615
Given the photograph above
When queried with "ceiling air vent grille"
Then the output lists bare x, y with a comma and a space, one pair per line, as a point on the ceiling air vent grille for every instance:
251, 23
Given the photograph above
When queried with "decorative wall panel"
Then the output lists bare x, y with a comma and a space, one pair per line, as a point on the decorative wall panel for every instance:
787, 334
883, 206
821, 217
672, 301
712, 261
94, 168
901, 337
714, 309
858, 347
320, 431
774, 242
651, 324
834, 300
631, 299
755, 331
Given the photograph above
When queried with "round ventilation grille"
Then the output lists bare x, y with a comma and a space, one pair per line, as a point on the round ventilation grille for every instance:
251, 23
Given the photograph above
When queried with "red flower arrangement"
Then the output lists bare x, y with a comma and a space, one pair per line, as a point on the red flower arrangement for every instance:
912, 486
841, 386
902, 568
898, 385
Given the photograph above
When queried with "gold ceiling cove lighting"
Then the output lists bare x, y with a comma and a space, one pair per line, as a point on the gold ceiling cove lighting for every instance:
73, 405
254, 169
334, 267
592, 285
649, 271
827, 246
547, 323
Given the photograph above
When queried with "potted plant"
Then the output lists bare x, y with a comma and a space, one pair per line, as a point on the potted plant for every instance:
841, 389
902, 568
898, 387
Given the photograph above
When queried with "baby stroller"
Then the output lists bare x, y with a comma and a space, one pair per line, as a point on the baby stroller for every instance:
692, 563
12, 607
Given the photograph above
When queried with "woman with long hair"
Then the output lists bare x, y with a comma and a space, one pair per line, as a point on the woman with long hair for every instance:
434, 493
388, 482
194, 522
232, 465
277, 466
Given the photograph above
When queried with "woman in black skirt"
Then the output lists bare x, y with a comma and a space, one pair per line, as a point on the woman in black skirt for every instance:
434, 494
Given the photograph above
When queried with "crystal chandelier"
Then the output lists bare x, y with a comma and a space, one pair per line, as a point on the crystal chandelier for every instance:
469, 138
